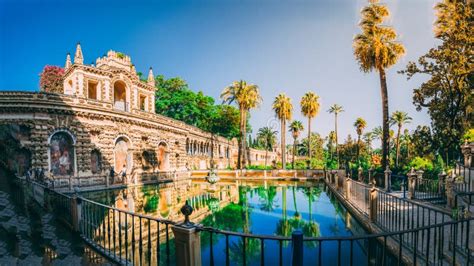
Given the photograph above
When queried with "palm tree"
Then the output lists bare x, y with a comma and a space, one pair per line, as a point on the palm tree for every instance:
368, 138
246, 96
310, 108
376, 49
336, 109
283, 110
360, 125
268, 137
399, 118
331, 141
295, 128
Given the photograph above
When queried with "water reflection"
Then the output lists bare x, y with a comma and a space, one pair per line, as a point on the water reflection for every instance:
271, 208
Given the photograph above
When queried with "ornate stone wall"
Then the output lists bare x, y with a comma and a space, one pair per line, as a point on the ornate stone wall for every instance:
155, 143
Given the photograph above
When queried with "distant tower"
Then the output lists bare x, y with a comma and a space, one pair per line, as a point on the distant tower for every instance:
78, 59
151, 78
68, 61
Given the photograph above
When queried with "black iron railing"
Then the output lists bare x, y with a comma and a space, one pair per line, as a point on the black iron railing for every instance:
417, 234
127, 237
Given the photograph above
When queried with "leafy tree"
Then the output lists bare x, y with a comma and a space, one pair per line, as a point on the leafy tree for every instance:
336, 109
174, 99
422, 141
295, 128
51, 79
360, 124
267, 136
376, 48
283, 111
399, 118
310, 109
246, 96
447, 95
368, 138
316, 147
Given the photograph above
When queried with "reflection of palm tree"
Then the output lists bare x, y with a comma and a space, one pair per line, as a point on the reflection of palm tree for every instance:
252, 247
267, 198
338, 211
311, 229
283, 226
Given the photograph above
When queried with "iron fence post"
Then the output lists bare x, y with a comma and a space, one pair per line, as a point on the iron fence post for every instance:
297, 248
187, 240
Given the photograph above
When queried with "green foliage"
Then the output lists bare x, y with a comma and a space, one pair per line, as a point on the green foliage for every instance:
469, 136
420, 163
316, 146
174, 99
447, 94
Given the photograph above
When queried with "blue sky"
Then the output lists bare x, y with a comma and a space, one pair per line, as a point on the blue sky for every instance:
282, 46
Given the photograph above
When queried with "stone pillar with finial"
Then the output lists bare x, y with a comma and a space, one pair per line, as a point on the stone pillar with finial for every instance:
359, 174
373, 203
187, 240
441, 180
388, 179
411, 183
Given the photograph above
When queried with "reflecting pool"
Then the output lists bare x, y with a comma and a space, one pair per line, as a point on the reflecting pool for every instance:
267, 208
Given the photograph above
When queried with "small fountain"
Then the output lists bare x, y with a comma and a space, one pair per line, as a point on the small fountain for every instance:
212, 178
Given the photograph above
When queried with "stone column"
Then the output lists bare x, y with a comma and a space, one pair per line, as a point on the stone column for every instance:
187, 240
76, 212
411, 183
388, 179
467, 150
450, 196
419, 174
373, 200
359, 174
441, 180
348, 188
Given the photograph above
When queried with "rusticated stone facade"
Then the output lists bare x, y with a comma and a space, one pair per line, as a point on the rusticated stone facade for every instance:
104, 119
152, 142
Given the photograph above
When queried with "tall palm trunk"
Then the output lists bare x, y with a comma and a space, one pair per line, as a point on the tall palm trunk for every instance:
398, 144
335, 131
266, 153
358, 148
294, 151
284, 207
309, 142
283, 143
385, 124
243, 132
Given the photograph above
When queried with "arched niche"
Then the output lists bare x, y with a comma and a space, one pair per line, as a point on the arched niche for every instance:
122, 154
120, 96
96, 161
62, 153
163, 157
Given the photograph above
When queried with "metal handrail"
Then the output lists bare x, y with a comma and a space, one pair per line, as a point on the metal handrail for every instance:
143, 216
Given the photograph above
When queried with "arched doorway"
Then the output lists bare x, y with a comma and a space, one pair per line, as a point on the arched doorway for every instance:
96, 162
122, 155
61, 154
163, 157
120, 96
